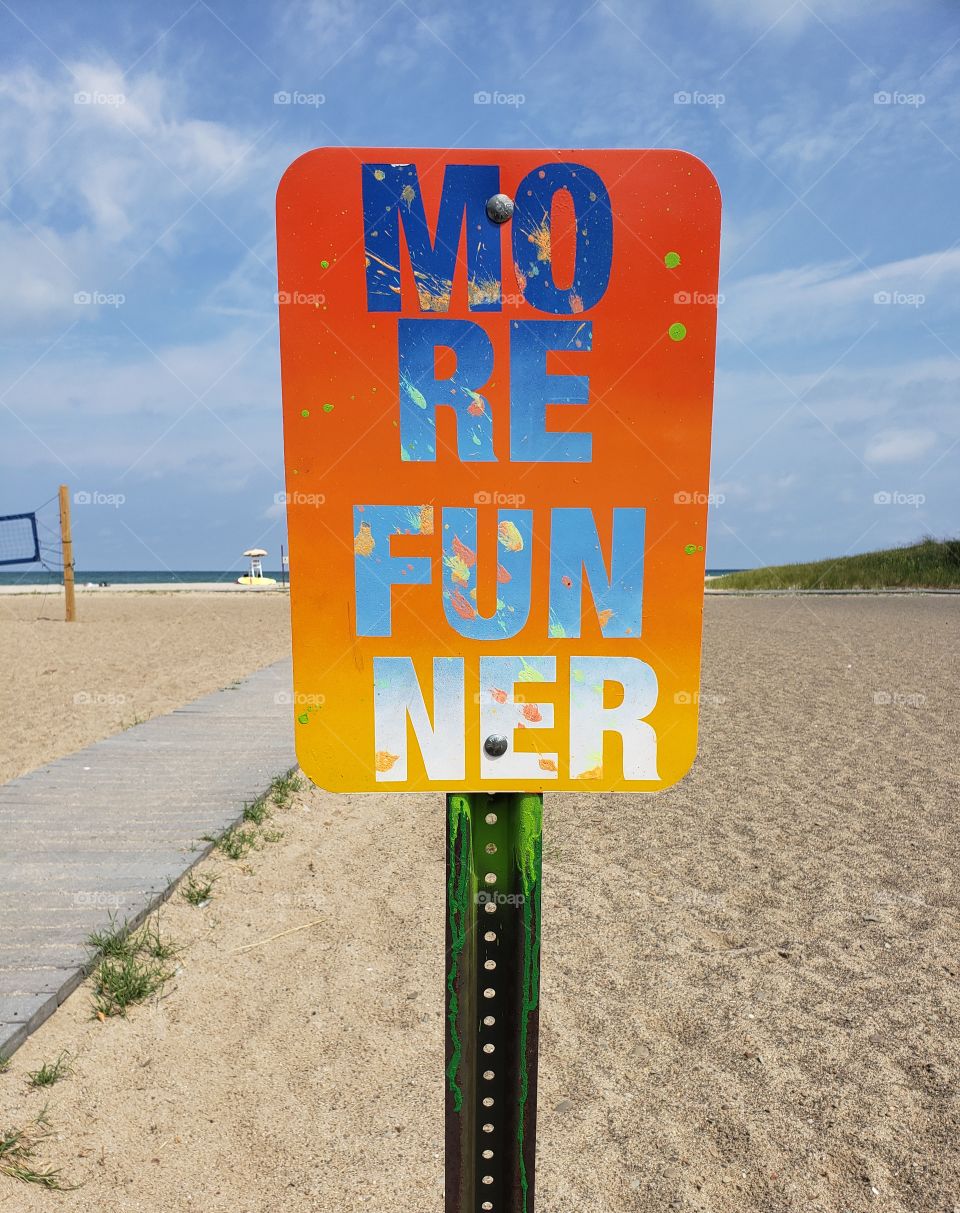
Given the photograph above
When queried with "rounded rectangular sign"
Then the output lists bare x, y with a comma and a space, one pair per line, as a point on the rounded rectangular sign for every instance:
497, 391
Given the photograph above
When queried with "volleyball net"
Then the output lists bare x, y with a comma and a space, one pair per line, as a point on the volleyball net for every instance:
19, 539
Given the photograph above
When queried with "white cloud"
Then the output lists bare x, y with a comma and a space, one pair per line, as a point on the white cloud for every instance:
900, 446
836, 298
97, 170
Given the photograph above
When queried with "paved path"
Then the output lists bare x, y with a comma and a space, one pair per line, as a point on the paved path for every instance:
108, 828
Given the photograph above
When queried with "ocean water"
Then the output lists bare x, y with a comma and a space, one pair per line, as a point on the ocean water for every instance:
157, 576
128, 577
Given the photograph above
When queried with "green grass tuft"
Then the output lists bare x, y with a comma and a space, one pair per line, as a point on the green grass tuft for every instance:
51, 1071
130, 965
17, 1150
929, 564
236, 842
284, 787
197, 889
114, 940
257, 813
150, 943
120, 982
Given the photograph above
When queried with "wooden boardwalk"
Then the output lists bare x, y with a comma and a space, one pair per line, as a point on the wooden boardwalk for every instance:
106, 830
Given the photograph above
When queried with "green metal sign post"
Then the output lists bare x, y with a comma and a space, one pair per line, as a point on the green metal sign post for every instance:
494, 874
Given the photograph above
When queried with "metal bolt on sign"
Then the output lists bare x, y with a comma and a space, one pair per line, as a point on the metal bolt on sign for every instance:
494, 874
499, 208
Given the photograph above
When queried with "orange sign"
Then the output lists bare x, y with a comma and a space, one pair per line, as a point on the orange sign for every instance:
497, 435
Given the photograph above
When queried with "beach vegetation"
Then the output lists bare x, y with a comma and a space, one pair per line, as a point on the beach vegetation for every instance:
927, 564
51, 1071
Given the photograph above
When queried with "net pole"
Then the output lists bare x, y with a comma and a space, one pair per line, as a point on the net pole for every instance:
66, 540
494, 876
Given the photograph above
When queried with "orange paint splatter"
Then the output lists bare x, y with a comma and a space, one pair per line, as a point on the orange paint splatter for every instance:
363, 541
594, 773
540, 236
502, 575
462, 605
384, 760
566, 581
604, 617
475, 409
510, 537
468, 557
531, 711
498, 695
487, 291
547, 764
426, 520
576, 303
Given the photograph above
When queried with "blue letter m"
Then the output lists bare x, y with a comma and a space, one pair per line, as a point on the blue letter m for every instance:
392, 198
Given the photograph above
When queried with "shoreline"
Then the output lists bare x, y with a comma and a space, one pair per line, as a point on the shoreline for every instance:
230, 587
146, 587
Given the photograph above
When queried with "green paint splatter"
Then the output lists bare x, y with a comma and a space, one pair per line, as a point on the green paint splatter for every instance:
324, 265
328, 408
458, 907
529, 858
415, 394
304, 412
671, 260
404, 454
528, 673
677, 332
555, 627
303, 718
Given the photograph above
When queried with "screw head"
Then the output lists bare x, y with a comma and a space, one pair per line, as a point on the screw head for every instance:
495, 745
499, 208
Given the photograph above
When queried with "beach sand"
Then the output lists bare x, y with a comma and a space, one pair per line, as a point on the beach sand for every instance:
128, 656
750, 982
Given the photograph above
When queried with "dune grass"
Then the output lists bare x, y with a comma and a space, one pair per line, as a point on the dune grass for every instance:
51, 1071
928, 564
131, 966
18, 1149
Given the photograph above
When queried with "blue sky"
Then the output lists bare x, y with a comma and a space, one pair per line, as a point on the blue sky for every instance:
140, 147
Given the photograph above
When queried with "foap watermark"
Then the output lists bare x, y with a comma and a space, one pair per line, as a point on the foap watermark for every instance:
300, 901
303, 298
494, 97
895, 97
684, 297
295, 97
899, 699
899, 299
99, 899
95, 699
95, 497
492, 897
299, 699
99, 298
684, 97
690, 697
96, 97
315, 499
684, 498
484, 498
895, 497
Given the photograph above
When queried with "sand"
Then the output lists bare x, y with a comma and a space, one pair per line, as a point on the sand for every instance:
750, 982
126, 658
